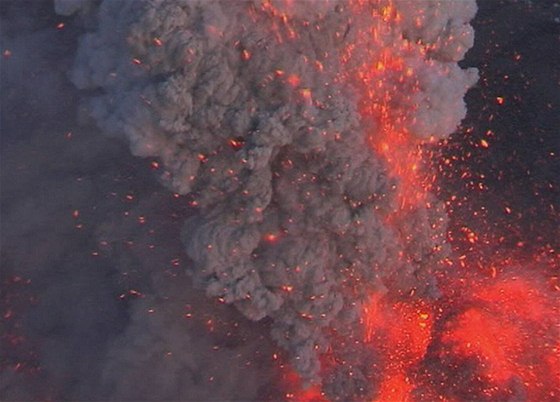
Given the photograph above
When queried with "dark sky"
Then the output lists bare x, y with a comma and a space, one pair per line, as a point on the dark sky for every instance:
515, 109
87, 232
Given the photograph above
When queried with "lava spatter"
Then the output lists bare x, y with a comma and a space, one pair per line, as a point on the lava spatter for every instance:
499, 338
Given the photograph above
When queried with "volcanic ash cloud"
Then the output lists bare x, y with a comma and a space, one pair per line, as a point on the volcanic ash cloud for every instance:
252, 109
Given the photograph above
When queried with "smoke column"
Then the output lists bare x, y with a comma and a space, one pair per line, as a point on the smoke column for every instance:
272, 119
299, 225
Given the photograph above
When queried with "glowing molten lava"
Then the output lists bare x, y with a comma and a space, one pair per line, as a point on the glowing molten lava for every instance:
297, 392
402, 332
498, 339
384, 104
507, 332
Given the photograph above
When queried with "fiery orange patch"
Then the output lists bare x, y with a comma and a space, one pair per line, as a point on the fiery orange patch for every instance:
402, 333
511, 329
297, 392
392, 140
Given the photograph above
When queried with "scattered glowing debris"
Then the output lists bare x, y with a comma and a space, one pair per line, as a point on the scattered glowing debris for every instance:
236, 143
245, 55
293, 80
270, 237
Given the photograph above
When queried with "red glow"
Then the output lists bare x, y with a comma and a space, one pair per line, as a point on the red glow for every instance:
395, 387
510, 326
297, 392
293, 80
311, 394
271, 237
478, 334
245, 55
390, 137
236, 143
402, 333
507, 326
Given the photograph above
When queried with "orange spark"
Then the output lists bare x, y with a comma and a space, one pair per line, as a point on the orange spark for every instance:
293, 80
245, 55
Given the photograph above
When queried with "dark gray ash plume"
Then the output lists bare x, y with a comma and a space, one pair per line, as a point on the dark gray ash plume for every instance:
245, 105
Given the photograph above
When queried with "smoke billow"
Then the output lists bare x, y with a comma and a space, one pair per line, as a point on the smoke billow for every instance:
90, 244
249, 108
253, 113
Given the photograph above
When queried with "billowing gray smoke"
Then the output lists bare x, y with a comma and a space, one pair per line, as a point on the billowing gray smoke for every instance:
248, 108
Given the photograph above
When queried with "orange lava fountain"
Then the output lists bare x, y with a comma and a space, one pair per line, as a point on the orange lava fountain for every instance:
496, 339
403, 332
486, 339
509, 328
503, 330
